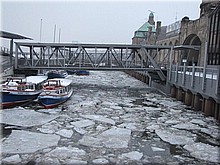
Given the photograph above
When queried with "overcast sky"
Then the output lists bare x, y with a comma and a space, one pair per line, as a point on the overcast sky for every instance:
90, 21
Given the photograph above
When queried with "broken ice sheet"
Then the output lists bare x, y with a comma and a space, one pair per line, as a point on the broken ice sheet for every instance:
82, 123
174, 136
111, 138
186, 126
65, 133
157, 149
24, 118
204, 152
99, 118
28, 142
134, 155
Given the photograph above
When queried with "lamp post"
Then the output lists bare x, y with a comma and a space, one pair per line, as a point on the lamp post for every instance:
40, 29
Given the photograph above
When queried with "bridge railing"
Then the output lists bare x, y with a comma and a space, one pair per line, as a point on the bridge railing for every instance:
86, 56
197, 79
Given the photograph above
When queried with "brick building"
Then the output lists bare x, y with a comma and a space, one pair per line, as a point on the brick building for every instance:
203, 32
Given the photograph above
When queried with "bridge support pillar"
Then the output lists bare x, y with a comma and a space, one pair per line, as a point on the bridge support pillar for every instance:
173, 91
218, 114
179, 95
208, 107
197, 104
188, 98
217, 111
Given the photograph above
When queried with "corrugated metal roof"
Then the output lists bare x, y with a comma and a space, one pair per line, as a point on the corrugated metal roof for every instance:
9, 35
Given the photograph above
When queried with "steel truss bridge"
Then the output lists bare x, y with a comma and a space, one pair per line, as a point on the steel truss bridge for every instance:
91, 57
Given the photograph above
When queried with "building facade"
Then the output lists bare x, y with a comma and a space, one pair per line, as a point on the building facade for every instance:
202, 32
196, 53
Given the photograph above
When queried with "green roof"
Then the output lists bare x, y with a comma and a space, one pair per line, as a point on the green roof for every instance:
141, 32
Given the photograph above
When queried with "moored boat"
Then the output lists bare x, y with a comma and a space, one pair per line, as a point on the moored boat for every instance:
71, 72
20, 90
56, 74
82, 72
55, 92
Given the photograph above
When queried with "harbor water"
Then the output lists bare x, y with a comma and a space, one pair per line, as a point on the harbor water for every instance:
111, 118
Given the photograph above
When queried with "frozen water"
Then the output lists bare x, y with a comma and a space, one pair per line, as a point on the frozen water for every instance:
66, 154
111, 138
100, 161
28, 142
134, 155
198, 121
116, 137
204, 151
99, 118
50, 127
131, 126
65, 133
175, 136
124, 122
157, 149
212, 132
24, 118
82, 123
14, 159
80, 130
187, 126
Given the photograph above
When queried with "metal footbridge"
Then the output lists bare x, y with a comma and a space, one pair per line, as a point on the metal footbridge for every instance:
91, 57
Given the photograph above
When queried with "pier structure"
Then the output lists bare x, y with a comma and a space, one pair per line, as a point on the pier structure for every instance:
194, 74
90, 57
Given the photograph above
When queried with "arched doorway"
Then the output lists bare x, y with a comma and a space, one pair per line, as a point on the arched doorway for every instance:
191, 55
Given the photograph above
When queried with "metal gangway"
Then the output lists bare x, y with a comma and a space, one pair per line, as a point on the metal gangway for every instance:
90, 56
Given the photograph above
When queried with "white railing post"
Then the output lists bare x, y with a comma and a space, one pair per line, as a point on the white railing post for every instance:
184, 72
193, 76
176, 72
217, 81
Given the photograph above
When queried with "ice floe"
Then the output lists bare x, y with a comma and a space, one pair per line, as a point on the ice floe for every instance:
24, 118
100, 161
157, 149
99, 118
28, 142
111, 138
50, 127
174, 136
82, 123
204, 152
134, 155
14, 159
187, 126
65, 133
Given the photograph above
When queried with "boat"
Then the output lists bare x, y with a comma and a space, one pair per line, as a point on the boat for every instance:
17, 91
71, 72
82, 72
55, 92
56, 74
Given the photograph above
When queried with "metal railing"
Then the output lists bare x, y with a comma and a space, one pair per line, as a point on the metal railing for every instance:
197, 79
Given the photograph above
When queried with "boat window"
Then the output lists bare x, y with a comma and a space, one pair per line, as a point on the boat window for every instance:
23, 88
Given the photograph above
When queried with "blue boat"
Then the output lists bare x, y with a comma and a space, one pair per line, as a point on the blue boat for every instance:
82, 72
56, 74
70, 72
55, 92
18, 90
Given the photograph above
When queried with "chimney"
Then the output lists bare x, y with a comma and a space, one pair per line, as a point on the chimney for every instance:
158, 30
